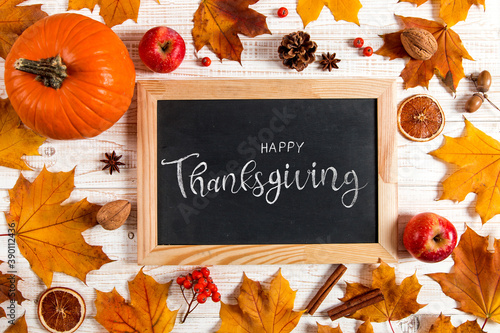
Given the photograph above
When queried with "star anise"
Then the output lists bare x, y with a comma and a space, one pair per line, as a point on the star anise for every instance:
329, 61
112, 163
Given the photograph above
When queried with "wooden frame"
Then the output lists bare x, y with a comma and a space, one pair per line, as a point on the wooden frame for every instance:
149, 92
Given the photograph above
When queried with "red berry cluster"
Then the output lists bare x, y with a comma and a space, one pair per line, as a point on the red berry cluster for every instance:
359, 42
202, 286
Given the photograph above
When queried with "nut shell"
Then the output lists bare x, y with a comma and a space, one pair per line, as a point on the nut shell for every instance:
420, 44
112, 215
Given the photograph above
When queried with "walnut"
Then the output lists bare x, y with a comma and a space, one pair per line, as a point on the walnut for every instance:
420, 44
113, 214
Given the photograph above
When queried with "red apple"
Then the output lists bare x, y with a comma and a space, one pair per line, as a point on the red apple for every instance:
162, 49
430, 237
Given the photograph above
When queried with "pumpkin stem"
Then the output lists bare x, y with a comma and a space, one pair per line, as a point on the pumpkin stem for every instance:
50, 71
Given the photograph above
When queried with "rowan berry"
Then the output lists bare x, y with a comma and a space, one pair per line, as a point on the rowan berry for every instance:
180, 280
203, 281
368, 51
206, 61
201, 298
282, 12
197, 275
198, 288
205, 271
216, 297
207, 292
187, 284
358, 42
212, 286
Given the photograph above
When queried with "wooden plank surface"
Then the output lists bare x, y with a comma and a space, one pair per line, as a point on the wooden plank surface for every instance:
419, 173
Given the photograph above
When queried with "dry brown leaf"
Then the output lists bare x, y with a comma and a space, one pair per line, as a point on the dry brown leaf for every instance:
366, 327
443, 325
6, 293
218, 22
146, 313
446, 63
113, 12
400, 300
47, 233
452, 11
328, 329
346, 10
19, 326
14, 20
261, 311
474, 281
478, 157
16, 140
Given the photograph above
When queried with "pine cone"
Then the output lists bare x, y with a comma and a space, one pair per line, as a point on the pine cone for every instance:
297, 51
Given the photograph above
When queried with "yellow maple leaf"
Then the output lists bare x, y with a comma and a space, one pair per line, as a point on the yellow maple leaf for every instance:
15, 139
19, 326
328, 329
14, 20
443, 325
474, 281
113, 12
47, 233
399, 302
146, 313
261, 311
478, 157
346, 10
218, 22
366, 327
452, 11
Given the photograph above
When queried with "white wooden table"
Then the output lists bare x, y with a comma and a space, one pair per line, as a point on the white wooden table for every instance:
420, 174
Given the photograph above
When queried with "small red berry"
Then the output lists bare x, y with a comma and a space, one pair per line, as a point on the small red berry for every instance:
197, 275
189, 277
368, 51
205, 271
206, 61
210, 280
207, 292
198, 288
212, 287
203, 282
201, 298
282, 12
216, 297
358, 42
187, 284
180, 280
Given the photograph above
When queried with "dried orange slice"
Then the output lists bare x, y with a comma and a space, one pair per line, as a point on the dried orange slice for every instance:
420, 118
61, 310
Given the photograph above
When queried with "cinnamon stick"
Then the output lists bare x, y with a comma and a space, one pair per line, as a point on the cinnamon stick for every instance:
325, 289
356, 303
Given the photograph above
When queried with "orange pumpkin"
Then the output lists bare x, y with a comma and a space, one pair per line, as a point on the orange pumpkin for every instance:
69, 77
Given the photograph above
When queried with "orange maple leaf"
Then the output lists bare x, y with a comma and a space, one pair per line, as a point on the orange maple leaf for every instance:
19, 326
113, 12
346, 10
328, 329
366, 327
218, 22
400, 301
474, 281
14, 20
261, 311
47, 233
452, 11
9, 291
446, 63
15, 139
146, 313
443, 324
478, 157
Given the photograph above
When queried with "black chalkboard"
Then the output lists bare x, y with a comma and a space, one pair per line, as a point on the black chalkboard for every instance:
220, 163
